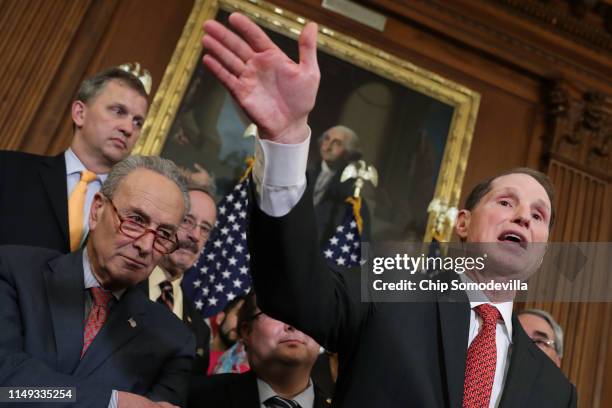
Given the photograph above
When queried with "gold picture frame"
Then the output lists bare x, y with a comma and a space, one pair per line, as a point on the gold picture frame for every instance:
464, 102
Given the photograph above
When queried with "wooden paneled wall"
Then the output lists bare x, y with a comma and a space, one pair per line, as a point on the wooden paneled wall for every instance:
587, 325
33, 48
544, 72
47, 47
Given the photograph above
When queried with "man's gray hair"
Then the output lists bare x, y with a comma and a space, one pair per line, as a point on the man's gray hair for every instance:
557, 330
165, 167
208, 190
352, 141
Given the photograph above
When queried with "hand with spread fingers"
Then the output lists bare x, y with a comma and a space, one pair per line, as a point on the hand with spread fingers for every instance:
275, 92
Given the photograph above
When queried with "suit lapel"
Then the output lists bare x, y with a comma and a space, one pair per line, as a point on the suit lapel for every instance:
188, 314
124, 322
320, 400
66, 292
53, 175
243, 392
454, 324
523, 369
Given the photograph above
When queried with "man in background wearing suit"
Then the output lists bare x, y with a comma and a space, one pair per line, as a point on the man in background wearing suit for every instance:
390, 354
164, 284
76, 320
545, 332
281, 360
52, 195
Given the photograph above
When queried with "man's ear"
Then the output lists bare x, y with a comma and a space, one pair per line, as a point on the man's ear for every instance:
95, 213
463, 223
219, 318
78, 112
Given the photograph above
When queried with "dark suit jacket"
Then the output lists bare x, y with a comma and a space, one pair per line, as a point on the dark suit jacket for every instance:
233, 391
194, 320
140, 349
330, 211
390, 354
33, 201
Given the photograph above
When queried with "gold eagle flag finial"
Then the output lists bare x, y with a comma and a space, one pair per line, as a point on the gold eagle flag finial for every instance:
445, 217
361, 172
142, 74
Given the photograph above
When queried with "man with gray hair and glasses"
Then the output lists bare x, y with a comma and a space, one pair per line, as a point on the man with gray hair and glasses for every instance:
78, 321
545, 332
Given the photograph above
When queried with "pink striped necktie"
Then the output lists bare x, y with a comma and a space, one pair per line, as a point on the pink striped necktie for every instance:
97, 316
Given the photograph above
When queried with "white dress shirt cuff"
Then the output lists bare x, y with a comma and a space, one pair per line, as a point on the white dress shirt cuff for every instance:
279, 173
113, 403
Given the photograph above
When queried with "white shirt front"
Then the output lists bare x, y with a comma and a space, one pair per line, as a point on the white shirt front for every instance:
304, 398
158, 276
279, 175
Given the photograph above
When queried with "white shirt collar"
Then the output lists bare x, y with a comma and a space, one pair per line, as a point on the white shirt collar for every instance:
325, 167
158, 276
90, 280
305, 398
505, 308
75, 165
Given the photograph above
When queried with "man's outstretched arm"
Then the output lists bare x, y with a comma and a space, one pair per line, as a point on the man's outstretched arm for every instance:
291, 279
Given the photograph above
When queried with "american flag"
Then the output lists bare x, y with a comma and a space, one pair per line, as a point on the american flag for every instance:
222, 271
344, 247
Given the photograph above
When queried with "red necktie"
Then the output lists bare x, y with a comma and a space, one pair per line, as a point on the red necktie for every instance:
97, 316
481, 360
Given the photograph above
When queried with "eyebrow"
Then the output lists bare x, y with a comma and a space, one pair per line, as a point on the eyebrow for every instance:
513, 191
125, 108
208, 224
541, 334
543, 204
148, 219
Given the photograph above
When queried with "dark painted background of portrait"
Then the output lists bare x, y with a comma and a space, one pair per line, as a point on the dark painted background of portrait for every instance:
402, 133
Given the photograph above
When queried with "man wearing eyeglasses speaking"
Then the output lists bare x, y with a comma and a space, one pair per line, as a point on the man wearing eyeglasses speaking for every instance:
78, 322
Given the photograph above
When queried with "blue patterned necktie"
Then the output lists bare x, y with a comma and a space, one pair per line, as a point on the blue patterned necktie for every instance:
280, 402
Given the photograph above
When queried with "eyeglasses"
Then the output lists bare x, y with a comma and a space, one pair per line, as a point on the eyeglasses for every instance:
189, 224
165, 242
544, 343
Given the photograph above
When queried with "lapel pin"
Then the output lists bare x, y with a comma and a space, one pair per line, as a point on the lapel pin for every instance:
189, 319
132, 322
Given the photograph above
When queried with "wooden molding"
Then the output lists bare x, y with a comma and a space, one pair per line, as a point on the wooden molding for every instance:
580, 129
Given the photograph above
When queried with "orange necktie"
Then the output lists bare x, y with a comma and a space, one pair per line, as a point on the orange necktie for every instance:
76, 202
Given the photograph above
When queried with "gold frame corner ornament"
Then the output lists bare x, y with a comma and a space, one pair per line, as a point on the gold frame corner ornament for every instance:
185, 58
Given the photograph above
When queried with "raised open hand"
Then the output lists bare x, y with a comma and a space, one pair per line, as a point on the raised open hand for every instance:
275, 92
